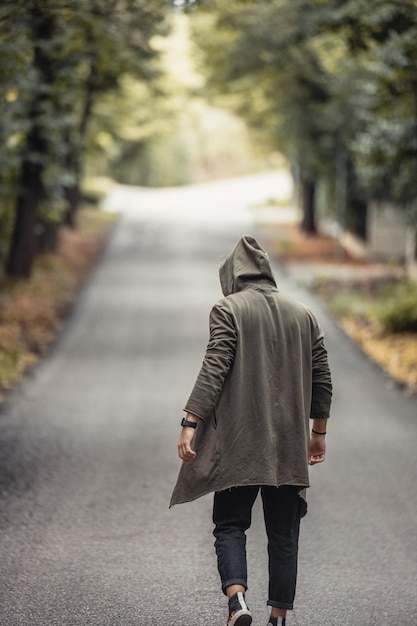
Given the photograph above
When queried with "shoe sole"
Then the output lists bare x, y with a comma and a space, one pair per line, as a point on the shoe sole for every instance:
241, 618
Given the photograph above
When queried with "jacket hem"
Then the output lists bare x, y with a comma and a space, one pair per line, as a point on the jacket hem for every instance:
302, 487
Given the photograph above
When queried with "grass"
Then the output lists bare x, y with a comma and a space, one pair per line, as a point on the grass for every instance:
31, 312
370, 312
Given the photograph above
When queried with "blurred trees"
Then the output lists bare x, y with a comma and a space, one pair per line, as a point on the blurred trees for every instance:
163, 132
331, 83
59, 58
383, 42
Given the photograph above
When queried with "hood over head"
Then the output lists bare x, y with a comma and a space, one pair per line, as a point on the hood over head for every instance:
246, 265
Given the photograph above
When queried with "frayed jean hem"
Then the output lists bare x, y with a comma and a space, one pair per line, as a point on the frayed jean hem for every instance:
233, 581
280, 605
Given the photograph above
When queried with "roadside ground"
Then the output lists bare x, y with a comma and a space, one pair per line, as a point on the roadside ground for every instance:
352, 289
31, 312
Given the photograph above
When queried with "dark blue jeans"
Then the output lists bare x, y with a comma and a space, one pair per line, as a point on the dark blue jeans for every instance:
232, 515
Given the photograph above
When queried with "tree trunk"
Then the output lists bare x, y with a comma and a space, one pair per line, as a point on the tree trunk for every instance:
47, 236
72, 196
308, 197
72, 192
31, 189
75, 152
23, 247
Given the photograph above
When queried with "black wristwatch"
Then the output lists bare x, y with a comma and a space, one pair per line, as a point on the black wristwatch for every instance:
185, 422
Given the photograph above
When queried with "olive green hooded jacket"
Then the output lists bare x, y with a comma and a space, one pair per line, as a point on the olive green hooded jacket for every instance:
264, 375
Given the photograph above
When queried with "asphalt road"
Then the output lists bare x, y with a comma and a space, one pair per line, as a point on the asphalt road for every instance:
88, 448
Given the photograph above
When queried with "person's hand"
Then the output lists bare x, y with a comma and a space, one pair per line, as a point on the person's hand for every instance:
185, 452
317, 451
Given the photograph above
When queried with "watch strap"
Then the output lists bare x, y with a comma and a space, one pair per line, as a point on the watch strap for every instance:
185, 422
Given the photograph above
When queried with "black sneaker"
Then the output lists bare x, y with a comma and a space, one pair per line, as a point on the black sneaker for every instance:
239, 614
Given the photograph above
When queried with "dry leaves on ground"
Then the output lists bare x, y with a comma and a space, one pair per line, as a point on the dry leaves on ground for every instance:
395, 353
31, 312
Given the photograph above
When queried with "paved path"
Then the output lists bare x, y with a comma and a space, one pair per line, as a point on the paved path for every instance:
88, 449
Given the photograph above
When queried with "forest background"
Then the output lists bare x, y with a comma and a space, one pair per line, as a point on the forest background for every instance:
170, 92
136, 91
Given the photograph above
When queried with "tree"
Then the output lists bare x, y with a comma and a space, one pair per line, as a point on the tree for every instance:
113, 40
333, 85
15, 84
379, 77
31, 189
70, 53
385, 146
262, 55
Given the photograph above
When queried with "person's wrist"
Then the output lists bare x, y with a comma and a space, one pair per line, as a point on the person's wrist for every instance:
190, 417
319, 434
187, 423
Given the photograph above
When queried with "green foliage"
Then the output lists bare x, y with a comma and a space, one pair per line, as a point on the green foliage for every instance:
277, 66
384, 146
398, 312
329, 83
348, 302
163, 133
332, 84
391, 303
58, 59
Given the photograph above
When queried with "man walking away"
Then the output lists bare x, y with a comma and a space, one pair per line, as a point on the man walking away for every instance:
256, 418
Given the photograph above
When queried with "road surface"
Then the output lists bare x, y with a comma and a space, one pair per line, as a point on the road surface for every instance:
88, 448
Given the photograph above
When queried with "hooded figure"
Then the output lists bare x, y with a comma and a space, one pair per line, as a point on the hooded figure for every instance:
265, 374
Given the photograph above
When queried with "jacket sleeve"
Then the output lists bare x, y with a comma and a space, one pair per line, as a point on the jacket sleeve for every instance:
218, 359
321, 377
